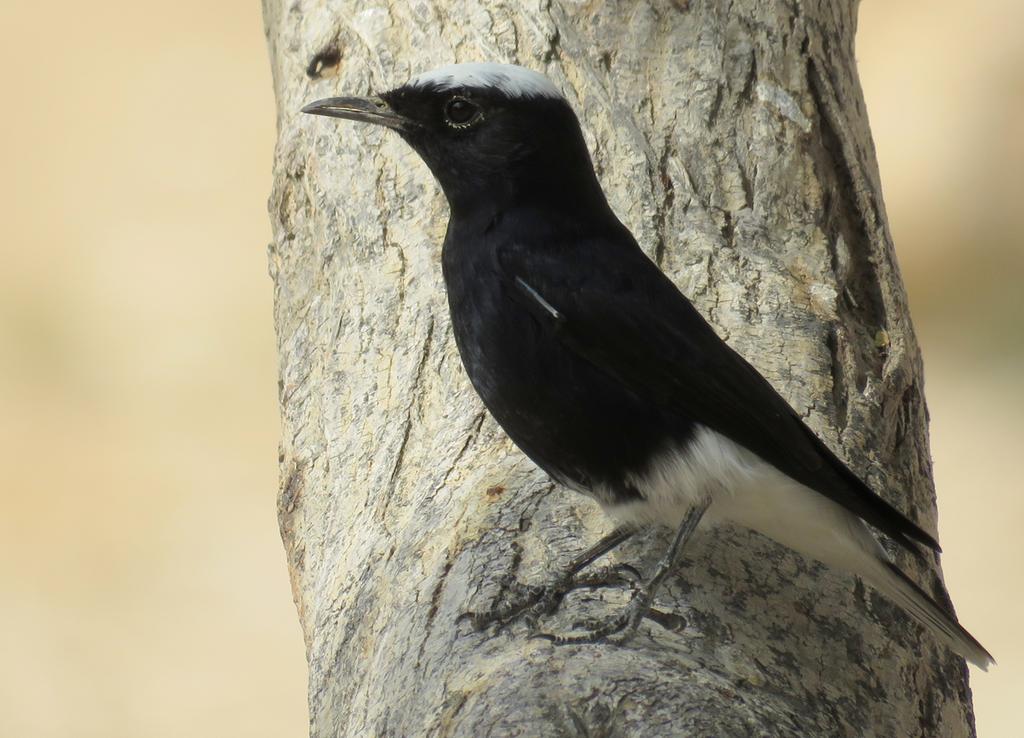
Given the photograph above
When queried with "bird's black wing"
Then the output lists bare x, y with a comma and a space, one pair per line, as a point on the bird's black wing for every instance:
623, 315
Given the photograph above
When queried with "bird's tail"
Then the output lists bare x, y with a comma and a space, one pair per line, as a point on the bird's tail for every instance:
898, 587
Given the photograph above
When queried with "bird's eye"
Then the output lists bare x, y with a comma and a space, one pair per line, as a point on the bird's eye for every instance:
461, 113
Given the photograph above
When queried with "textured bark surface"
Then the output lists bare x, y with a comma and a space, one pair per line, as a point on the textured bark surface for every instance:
732, 139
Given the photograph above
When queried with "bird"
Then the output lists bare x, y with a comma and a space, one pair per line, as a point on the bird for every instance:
599, 368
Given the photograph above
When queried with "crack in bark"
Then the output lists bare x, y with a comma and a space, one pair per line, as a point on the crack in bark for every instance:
475, 425
665, 206
745, 183
435, 601
750, 81
407, 429
716, 104
840, 392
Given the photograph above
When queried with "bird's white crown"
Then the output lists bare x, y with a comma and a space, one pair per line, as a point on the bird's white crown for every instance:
514, 81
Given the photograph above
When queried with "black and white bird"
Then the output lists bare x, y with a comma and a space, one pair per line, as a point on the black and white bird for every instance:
598, 367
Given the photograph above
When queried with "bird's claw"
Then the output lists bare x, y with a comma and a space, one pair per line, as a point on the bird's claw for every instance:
515, 600
616, 630
529, 602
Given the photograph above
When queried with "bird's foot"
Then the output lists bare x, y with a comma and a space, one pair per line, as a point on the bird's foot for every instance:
517, 601
620, 628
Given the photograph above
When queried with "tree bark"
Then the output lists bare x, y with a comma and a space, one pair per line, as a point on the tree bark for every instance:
732, 139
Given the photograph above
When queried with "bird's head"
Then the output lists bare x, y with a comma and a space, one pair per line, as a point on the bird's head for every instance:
494, 135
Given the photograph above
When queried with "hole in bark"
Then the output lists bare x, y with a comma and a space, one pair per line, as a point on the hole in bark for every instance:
324, 60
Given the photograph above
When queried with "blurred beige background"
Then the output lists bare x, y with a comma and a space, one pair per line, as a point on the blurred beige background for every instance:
144, 590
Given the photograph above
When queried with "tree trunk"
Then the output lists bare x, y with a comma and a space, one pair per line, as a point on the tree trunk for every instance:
732, 140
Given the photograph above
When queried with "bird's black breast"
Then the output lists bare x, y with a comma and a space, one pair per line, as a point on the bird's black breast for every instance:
572, 419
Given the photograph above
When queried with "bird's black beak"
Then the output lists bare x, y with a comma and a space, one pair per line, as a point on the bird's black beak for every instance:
366, 109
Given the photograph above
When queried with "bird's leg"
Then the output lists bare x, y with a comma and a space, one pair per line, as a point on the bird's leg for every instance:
532, 600
625, 624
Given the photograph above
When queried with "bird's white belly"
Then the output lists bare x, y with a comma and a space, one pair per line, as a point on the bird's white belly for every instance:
748, 491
